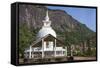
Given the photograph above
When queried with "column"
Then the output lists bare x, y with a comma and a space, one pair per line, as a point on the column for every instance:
42, 48
55, 48
71, 50
30, 52
66, 50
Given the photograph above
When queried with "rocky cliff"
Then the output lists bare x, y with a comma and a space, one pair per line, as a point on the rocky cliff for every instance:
34, 15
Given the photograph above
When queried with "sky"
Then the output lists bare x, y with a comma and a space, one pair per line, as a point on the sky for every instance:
86, 16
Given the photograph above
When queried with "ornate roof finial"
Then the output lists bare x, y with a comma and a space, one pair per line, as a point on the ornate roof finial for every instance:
47, 16
47, 22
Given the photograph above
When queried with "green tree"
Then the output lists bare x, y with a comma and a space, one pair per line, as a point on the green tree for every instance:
26, 37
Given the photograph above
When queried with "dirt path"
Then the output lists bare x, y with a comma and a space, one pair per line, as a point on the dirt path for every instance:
84, 58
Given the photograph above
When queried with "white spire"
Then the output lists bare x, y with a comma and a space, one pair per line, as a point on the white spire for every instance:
47, 22
46, 28
47, 16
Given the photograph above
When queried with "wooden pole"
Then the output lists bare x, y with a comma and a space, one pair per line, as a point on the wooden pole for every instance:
30, 53
55, 48
42, 48
66, 50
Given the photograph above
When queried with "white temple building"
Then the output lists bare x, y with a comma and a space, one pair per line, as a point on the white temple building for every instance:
46, 44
